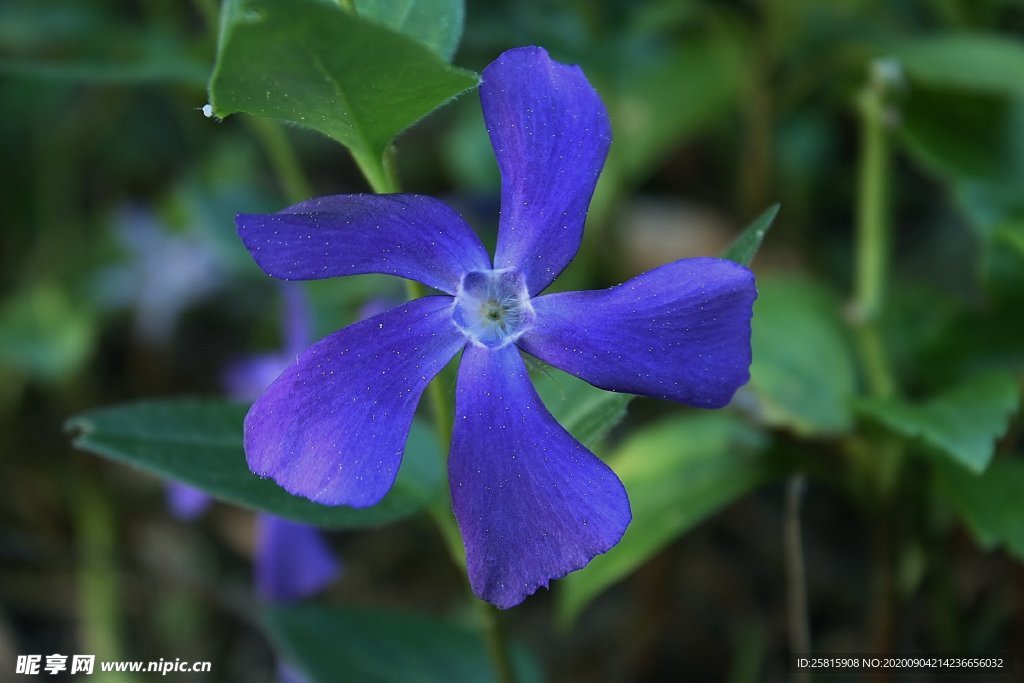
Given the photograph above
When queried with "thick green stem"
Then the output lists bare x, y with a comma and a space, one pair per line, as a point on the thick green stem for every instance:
379, 170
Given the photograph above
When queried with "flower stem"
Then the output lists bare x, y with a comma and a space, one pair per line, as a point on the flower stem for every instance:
381, 174
496, 646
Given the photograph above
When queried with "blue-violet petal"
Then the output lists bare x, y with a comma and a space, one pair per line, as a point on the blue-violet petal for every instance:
533, 504
411, 236
333, 426
551, 134
678, 332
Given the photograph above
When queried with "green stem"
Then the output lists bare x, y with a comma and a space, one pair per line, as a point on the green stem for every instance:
872, 251
381, 174
98, 596
282, 157
496, 646
379, 170
871, 275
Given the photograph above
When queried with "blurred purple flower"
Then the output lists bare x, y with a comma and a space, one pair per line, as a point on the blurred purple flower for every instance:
165, 272
532, 503
292, 560
186, 503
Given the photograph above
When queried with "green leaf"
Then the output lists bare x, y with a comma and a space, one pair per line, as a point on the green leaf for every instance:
677, 472
962, 424
355, 645
745, 246
311, 63
434, 23
588, 413
652, 118
44, 333
990, 505
199, 442
933, 125
802, 375
984, 62
85, 42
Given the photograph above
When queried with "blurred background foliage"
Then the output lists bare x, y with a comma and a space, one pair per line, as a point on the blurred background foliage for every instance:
121, 278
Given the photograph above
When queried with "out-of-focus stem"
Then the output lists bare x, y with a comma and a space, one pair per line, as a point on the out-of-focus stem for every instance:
872, 265
98, 599
796, 580
496, 644
282, 157
872, 249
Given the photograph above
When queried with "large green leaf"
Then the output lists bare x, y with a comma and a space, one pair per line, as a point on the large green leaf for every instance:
962, 424
991, 504
199, 442
355, 645
985, 62
586, 412
745, 246
802, 375
311, 63
677, 472
435, 23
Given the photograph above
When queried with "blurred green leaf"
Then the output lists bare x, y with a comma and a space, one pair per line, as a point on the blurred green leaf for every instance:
588, 413
984, 62
802, 375
434, 23
996, 214
311, 63
44, 335
934, 122
199, 442
962, 424
83, 42
991, 504
744, 248
359, 645
663, 98
677, 472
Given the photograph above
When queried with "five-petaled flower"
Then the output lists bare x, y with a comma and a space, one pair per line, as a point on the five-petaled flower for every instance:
532, 503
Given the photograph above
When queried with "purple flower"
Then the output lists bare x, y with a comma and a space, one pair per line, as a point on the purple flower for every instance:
292, 560
532, 503
186, 502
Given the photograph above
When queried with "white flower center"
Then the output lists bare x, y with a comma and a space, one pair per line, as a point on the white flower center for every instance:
492, 307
